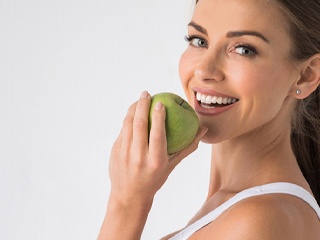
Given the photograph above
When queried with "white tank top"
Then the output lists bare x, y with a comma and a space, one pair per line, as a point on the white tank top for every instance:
277, 187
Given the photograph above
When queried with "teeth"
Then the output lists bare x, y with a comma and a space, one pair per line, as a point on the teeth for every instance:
225, 100
198, 96
208, 100
203, 98
214, 99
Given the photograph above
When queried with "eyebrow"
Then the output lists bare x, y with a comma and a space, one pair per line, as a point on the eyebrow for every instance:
250, 33
230, 34
198, 27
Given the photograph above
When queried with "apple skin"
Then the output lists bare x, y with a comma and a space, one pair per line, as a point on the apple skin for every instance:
181, 122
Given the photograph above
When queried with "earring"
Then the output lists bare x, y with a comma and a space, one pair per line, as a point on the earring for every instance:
298, 92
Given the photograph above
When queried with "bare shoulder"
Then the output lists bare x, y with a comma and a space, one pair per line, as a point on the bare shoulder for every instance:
272, 216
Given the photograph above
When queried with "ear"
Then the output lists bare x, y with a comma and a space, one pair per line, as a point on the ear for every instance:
309, 78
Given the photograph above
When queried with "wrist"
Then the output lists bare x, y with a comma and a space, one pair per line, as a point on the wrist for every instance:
128, 205
125, 220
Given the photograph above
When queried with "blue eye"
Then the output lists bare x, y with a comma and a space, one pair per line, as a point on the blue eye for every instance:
196, 41
245, 50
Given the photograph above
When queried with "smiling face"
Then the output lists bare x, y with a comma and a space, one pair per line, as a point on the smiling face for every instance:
237, 72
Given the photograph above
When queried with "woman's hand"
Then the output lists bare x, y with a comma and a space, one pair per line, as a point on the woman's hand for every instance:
138, 166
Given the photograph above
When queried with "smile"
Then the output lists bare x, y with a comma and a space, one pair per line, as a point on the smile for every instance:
208, 101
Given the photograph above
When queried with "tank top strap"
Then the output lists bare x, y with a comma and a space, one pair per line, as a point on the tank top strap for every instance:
276, 187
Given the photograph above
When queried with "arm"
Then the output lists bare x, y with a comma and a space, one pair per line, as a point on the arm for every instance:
124, 222
138, 168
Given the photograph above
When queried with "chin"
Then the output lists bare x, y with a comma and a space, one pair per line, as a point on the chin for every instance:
211, 138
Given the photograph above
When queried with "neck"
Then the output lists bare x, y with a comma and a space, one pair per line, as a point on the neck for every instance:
260, 157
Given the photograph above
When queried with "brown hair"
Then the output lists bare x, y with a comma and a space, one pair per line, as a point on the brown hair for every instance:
304, 17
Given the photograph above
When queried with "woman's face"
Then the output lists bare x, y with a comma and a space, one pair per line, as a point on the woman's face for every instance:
236, 71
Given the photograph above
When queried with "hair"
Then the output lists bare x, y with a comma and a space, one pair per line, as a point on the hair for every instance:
303, 17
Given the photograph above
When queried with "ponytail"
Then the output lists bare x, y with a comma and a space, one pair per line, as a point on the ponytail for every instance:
303, 17
305, 139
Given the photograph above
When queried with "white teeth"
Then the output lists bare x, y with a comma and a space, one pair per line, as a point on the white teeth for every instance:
198, 95
203, 98
214, 99
225, 100
208, 100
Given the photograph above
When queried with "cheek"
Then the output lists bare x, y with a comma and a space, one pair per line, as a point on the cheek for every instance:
184, 67
262, 89
260, 81
186, 72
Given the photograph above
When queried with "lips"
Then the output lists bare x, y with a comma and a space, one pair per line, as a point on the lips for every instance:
212, 103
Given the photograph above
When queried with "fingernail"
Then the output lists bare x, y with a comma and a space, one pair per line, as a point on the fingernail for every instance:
158, 106
144, 94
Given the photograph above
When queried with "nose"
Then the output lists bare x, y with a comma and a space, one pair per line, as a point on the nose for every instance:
210, 68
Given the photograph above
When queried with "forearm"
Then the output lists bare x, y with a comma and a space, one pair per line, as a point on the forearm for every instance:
124, 221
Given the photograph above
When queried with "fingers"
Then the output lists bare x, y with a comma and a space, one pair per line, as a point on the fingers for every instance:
140, 122
139, 168
134, 133
126, 134
158, 141
176, 158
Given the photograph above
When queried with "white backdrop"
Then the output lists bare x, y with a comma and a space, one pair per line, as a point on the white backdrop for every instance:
69, 69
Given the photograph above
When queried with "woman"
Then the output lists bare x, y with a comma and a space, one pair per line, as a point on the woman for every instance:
265, 165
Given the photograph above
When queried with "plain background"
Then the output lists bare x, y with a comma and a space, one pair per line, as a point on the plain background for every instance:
69, 69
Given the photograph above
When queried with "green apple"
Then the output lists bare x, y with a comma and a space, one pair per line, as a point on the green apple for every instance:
181, 122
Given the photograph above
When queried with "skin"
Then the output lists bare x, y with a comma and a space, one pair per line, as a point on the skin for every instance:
256, 128
138, 169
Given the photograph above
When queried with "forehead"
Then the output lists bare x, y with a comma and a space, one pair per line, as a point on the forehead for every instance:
259, 15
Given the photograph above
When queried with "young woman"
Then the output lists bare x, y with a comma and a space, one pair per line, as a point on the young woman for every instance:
264, 56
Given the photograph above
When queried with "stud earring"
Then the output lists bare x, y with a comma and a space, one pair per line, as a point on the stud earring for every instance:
298, 92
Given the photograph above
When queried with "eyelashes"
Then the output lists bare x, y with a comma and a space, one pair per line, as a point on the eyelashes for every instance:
243, 49
196, 41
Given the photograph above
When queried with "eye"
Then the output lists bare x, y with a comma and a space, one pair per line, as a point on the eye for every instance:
196, 41
245, 50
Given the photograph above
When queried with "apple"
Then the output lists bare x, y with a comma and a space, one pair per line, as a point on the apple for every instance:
181, 122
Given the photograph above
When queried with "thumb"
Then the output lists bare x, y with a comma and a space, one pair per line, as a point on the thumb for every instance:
176, 158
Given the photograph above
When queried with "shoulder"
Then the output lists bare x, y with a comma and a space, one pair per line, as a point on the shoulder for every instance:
261, 217
272, 216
